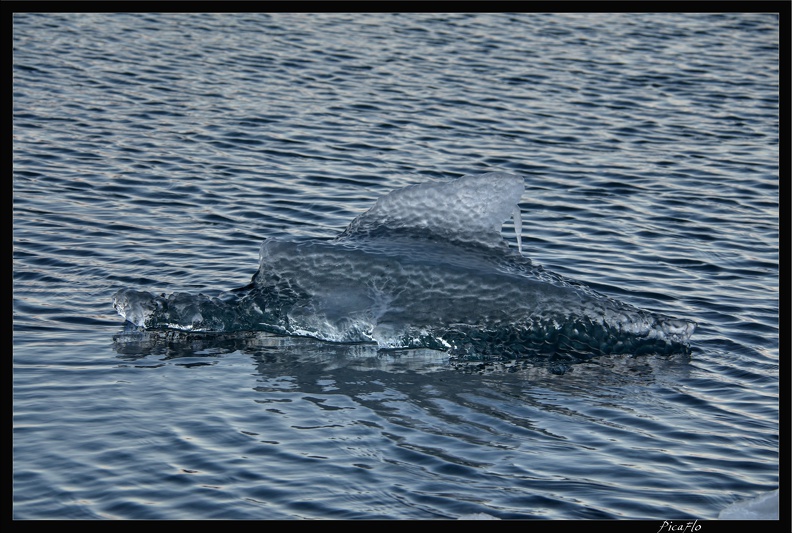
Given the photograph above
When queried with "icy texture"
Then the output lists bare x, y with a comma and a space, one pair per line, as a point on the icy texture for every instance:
416, 294
468, 210
762, 507
426, 267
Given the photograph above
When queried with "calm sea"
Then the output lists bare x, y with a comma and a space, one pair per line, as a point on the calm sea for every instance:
157, 151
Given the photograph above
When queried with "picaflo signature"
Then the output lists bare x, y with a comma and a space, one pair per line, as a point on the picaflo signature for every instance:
679, 527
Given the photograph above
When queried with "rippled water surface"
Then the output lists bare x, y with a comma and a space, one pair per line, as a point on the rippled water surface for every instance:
158, 151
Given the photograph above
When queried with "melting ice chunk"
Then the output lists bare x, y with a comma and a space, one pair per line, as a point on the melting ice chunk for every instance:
425, 267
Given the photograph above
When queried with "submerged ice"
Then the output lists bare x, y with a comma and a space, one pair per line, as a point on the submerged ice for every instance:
425, 267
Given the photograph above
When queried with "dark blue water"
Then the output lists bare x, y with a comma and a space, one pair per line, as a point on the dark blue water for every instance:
157, 152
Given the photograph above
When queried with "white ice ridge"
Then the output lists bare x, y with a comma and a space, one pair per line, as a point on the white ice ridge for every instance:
471, 208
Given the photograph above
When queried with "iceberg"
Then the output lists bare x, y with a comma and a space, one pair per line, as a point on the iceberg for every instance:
425, 267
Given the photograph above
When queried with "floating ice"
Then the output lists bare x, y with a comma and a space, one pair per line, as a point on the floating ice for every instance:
762, 507
425, 267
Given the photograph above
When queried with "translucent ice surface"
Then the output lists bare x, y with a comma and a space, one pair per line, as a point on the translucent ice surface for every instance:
470, 209
425, 267
762, 507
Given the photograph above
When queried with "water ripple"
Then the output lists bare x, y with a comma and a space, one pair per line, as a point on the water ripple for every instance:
158, 152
